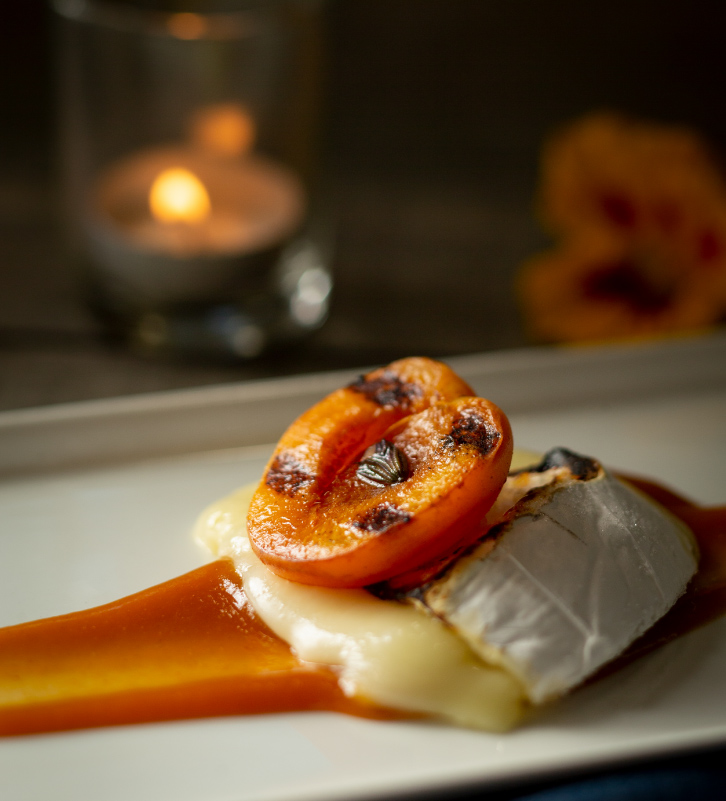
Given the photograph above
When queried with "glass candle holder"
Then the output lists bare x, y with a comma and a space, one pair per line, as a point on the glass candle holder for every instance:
188, 151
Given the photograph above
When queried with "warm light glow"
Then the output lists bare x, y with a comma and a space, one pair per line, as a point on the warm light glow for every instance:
225, 129
187, 26
177, 195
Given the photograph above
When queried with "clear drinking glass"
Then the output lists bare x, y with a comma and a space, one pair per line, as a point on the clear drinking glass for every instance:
188, 150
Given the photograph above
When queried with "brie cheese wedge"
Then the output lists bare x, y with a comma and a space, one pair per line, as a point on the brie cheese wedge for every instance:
580, 565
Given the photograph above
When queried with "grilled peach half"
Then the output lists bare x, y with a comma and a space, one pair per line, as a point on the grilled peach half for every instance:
380, 477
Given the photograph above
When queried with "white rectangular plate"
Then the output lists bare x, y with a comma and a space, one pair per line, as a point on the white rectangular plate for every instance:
99, 499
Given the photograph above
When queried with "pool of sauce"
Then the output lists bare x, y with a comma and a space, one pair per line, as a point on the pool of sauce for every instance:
193, 647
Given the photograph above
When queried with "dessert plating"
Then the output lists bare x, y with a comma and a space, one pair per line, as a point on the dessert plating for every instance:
419, 585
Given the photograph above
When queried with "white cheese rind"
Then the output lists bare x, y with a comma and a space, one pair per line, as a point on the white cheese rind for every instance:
569, 584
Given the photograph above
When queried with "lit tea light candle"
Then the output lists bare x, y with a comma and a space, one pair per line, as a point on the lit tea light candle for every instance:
174, 224
190, 240
177, 195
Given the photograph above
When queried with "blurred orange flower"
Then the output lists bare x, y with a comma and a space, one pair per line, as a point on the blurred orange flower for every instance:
639, 211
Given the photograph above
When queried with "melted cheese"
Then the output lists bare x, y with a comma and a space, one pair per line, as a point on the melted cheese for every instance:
391, 654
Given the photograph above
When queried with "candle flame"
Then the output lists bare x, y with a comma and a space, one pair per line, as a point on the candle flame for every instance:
177, 195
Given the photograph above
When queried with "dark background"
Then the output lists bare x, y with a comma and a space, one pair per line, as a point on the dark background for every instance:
436, 110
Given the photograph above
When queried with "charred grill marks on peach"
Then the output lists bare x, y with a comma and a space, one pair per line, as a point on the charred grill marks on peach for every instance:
387, 390
382, 517
286, 475
473, 430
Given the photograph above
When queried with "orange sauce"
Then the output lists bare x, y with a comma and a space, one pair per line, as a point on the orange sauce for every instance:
193, 647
